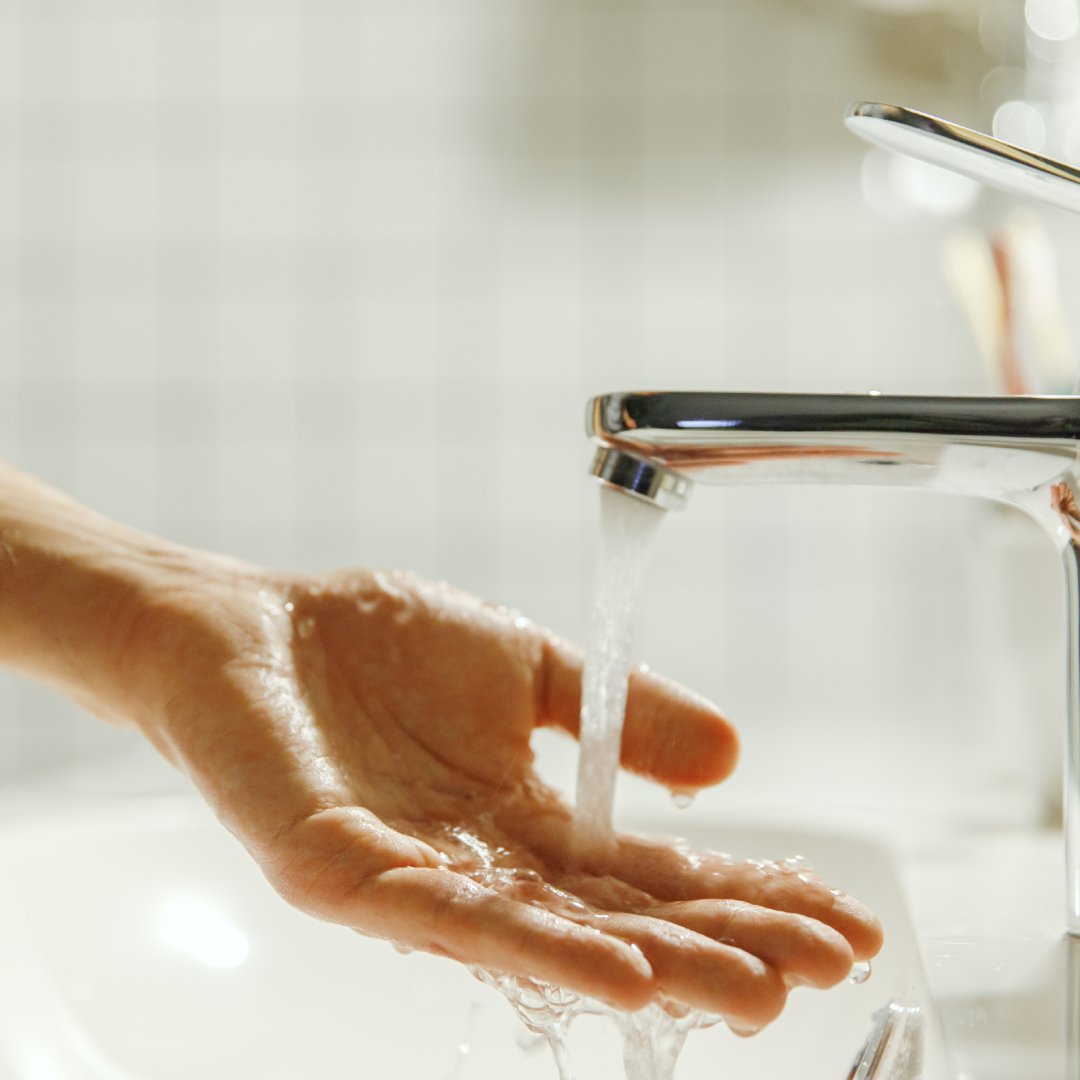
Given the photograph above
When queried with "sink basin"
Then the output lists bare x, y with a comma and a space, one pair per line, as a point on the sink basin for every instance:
140, 943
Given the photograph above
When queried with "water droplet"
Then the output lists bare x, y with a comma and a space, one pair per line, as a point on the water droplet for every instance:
837, 893
403, 949
388, 584
725, 858
305, 628
765, 867
290, 607
796, 863
683, 799
530, 1042
860, 972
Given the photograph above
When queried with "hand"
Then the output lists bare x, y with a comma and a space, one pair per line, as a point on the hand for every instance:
366, 736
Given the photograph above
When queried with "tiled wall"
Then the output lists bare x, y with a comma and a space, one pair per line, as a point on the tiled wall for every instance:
329, 283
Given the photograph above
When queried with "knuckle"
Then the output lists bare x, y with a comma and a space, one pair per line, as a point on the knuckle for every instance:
764, 999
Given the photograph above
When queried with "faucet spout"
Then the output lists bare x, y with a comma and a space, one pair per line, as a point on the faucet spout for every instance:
995, 447
1024, 451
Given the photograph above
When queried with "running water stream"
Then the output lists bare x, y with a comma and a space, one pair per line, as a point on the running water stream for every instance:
652, 1037
627, 530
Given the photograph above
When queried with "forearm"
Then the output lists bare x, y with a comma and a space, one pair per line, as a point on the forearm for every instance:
72, 584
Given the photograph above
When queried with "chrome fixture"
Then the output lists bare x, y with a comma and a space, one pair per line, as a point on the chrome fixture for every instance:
970, 153
1024, 451
894, 1048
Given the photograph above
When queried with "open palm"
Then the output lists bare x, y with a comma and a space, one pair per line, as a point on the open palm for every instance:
367, 737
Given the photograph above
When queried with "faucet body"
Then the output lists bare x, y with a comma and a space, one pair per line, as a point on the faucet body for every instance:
1024, 451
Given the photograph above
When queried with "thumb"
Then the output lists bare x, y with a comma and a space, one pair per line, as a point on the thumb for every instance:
670, 735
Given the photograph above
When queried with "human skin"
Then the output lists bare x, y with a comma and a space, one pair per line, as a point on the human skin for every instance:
366, 736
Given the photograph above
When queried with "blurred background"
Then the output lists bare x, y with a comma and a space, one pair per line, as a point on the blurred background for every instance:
319, 284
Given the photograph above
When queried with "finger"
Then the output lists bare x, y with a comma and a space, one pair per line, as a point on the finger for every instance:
443, 912
670, 735
703, 973
805, 951
668, 873
347, 866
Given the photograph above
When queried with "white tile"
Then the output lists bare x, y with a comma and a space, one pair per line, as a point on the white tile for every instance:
190, 504
258, 199
256, 480
257, 339
117, 413
256, 52
120, 481
329, 413
255, 411
118, 336
117, 201
117, 56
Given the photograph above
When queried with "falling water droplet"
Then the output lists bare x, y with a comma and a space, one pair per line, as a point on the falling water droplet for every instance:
860, 972
683, 799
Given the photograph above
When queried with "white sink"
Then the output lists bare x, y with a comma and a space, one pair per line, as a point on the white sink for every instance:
139, 942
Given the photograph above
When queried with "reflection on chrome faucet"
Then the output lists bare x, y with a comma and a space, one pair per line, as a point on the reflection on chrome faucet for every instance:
894, 1048
1072, 1008
1023, 451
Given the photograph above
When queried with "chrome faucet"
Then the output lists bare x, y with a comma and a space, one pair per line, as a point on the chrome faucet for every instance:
1023, 451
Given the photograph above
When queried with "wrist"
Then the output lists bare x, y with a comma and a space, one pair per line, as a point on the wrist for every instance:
86, 604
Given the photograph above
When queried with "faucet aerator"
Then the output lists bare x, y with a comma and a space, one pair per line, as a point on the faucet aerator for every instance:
641, 478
